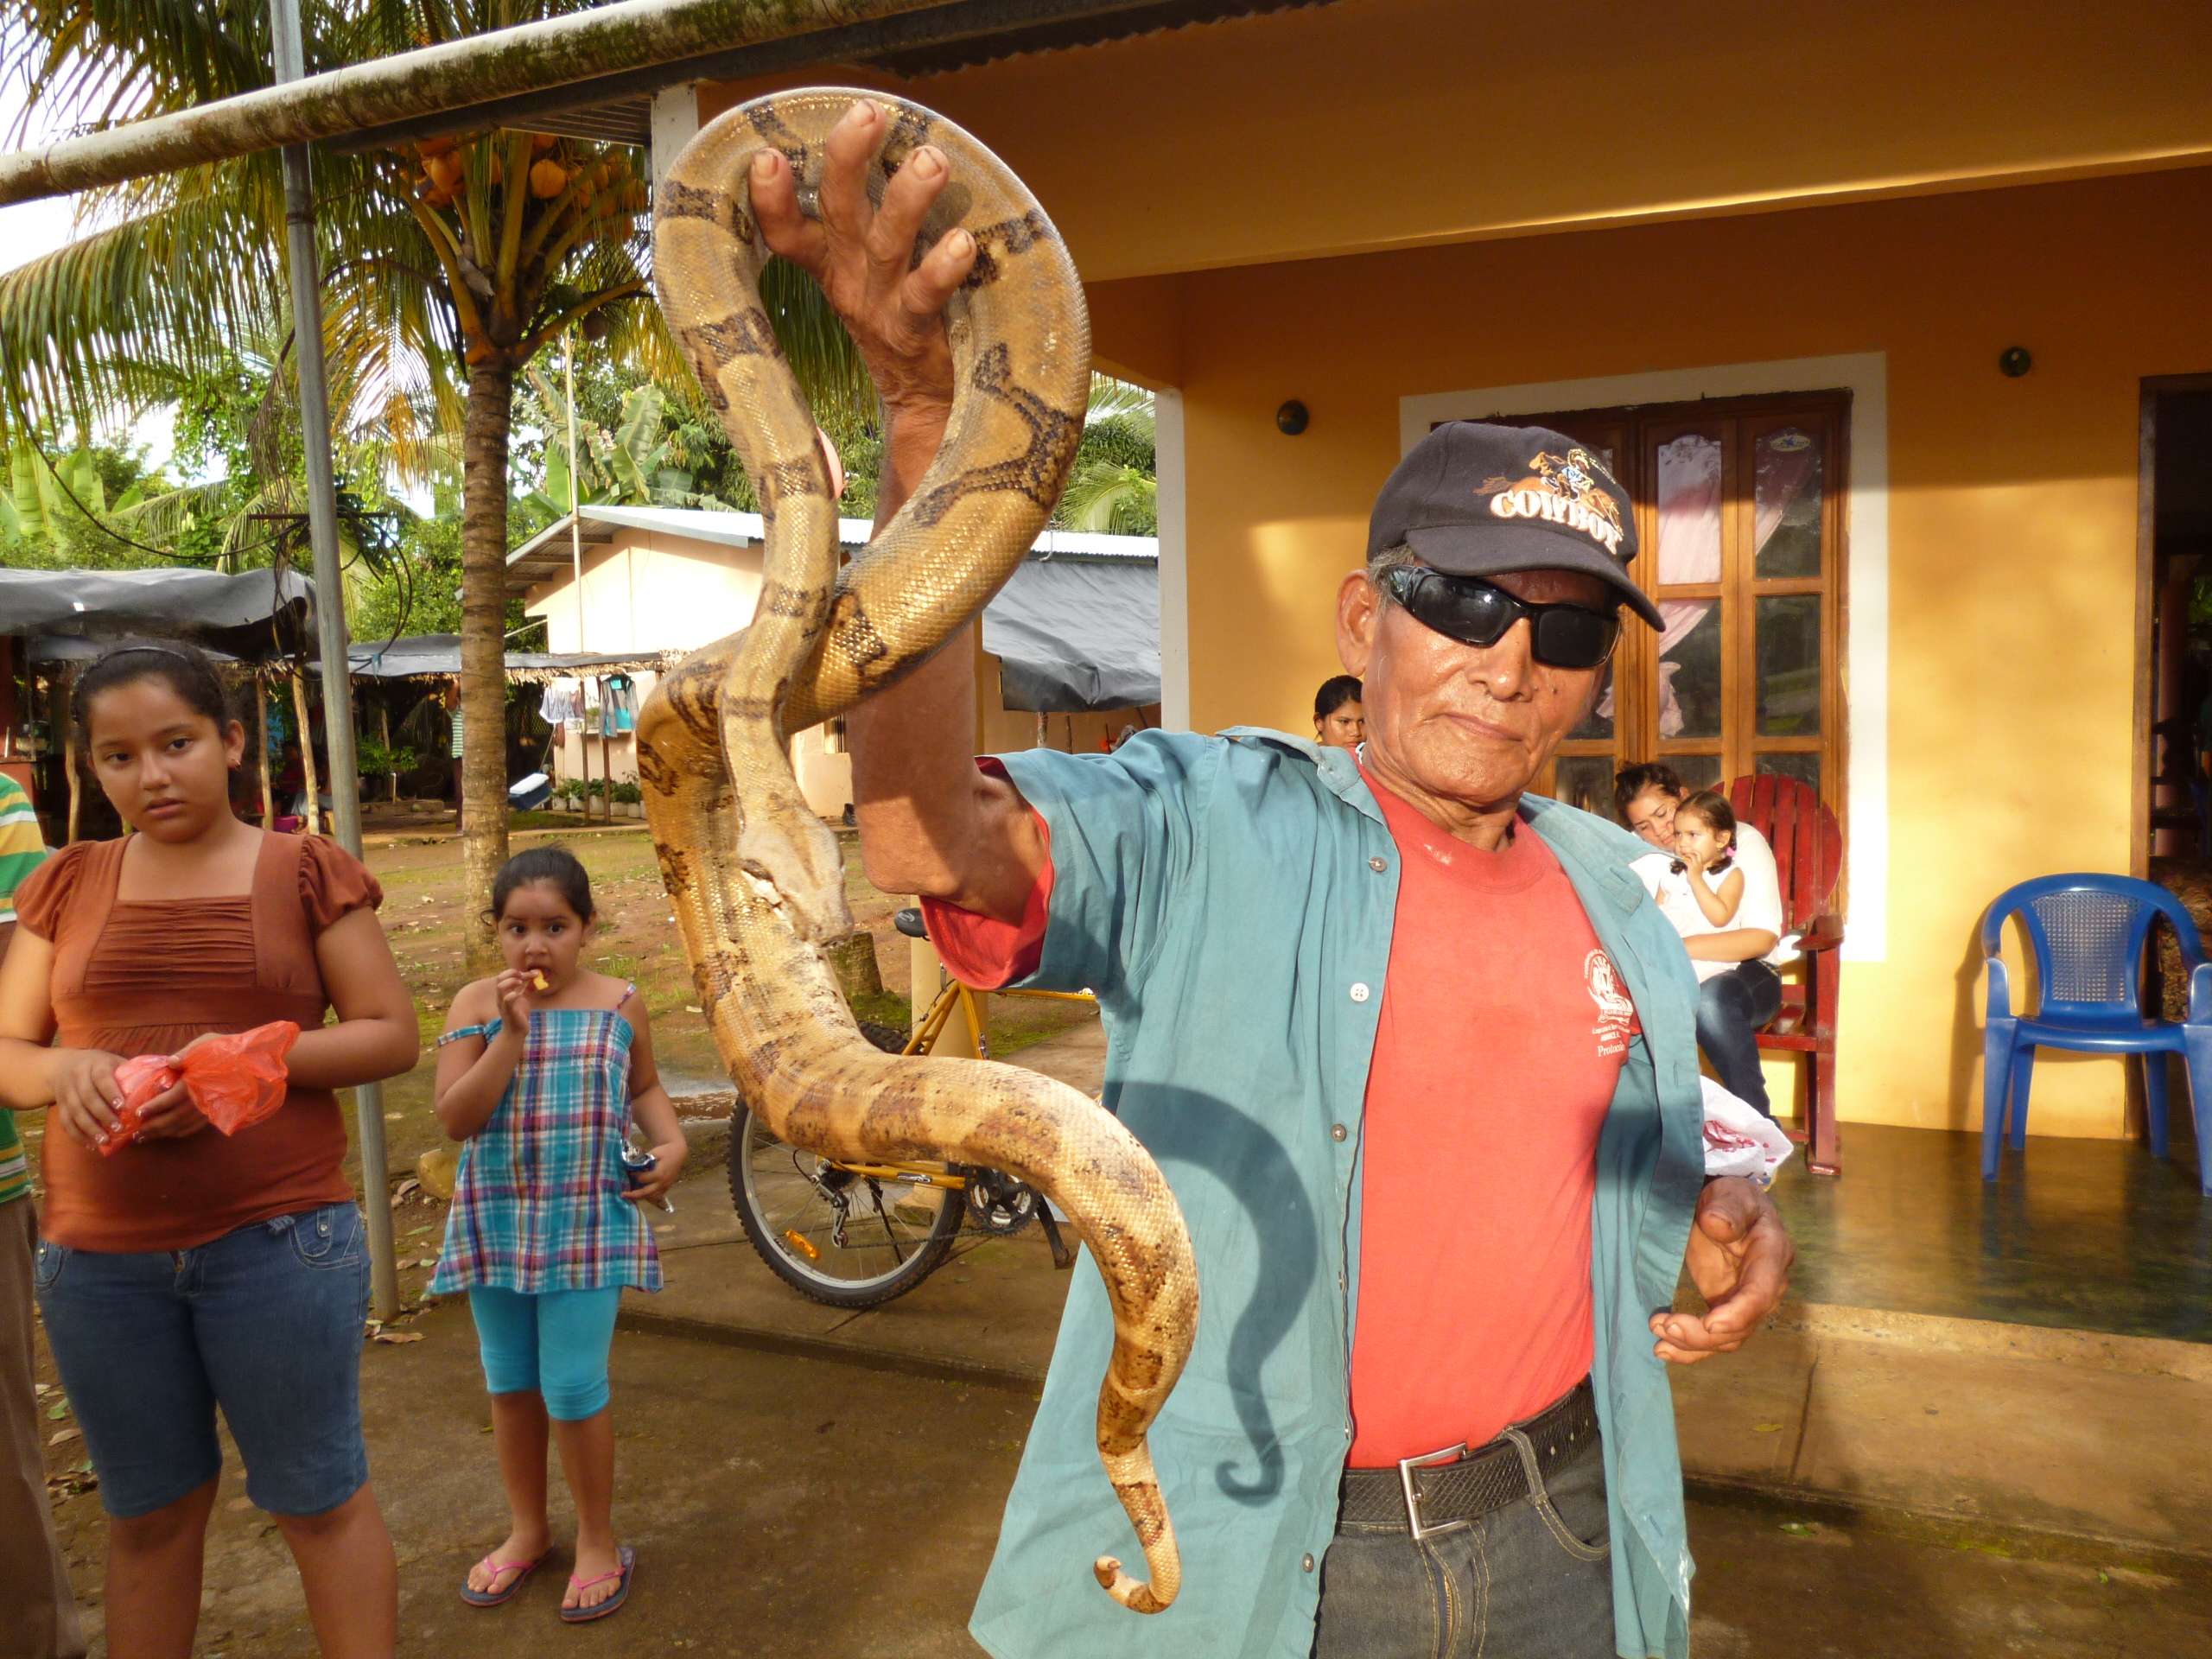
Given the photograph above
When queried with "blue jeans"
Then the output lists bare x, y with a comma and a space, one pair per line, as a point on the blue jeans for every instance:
554, 1344
1532, 1581
264, 1322
1731, 1009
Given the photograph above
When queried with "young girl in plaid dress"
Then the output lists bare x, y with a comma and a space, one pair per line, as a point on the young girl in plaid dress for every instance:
540, 1071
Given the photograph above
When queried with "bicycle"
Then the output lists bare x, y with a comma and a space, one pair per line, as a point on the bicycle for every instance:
825, 1228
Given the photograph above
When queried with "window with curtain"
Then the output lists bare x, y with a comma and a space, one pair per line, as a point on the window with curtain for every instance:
1739, 515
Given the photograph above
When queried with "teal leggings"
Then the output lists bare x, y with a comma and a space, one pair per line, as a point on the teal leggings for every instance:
554, 1344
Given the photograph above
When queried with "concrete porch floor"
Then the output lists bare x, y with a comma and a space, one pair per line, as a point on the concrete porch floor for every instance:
2094, 1236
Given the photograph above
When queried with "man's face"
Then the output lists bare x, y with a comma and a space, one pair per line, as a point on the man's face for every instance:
1468, 724
1651, 815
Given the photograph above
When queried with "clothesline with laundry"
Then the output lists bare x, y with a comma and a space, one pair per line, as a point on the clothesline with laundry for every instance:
606, 705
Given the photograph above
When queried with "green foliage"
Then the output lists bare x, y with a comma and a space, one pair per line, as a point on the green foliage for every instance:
650, 445
373, 760
1113, 488
42, 528
626, 793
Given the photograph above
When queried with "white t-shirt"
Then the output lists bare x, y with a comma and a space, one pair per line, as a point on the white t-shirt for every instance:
1760, 905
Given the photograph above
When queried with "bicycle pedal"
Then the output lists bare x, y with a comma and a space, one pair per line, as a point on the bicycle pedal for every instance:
1062, 1257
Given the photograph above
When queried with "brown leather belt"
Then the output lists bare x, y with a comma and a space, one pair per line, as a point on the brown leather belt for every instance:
1444, 1491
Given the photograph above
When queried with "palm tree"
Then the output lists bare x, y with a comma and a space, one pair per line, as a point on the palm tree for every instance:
1114, 486
446, 266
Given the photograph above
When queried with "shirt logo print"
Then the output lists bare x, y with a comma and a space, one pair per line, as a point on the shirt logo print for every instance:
1616, 1012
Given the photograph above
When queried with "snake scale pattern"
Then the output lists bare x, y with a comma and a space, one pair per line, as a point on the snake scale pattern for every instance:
755, 877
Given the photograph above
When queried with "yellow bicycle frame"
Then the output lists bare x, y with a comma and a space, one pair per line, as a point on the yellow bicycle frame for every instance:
926, 1036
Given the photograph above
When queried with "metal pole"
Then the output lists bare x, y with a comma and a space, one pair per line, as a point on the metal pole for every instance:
576, 558
330, 614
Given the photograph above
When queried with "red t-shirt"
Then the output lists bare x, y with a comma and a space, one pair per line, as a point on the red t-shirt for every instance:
1501, 1033
1501, 1037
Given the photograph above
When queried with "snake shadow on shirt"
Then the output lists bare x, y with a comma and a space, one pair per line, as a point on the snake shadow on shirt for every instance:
1193, 1133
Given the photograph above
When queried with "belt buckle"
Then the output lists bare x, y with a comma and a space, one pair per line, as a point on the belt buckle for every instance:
1406, 1467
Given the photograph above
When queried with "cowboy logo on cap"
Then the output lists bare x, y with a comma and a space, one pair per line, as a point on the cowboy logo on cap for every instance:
1561, 491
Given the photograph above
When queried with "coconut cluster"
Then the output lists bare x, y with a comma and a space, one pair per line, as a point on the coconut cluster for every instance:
603, 186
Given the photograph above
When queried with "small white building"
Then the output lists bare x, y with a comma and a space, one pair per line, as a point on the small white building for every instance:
1069, 652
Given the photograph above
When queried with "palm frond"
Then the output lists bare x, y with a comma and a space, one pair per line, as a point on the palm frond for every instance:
1112, 399
79, 326
1112, 500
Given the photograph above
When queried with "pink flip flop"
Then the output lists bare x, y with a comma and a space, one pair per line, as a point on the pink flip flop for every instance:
500, 1597
621, 1574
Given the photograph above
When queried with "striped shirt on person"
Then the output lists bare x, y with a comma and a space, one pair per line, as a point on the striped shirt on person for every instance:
22, 849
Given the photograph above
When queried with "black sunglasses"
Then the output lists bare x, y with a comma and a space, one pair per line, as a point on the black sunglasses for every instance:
1479, 613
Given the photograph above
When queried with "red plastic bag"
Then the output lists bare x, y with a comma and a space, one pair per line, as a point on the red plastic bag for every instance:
235, 1080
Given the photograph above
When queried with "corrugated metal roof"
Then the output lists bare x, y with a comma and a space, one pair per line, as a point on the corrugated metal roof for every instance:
548, 555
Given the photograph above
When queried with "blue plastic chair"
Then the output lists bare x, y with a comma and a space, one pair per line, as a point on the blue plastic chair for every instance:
2088, 933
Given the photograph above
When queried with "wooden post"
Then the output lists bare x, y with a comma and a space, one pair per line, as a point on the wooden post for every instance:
261, 730
66, 716
307, 751
583, 749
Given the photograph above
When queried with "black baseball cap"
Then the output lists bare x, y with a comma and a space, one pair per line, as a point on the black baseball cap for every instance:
1474, 499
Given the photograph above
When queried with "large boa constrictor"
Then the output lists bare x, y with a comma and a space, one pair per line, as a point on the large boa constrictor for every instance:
756, 876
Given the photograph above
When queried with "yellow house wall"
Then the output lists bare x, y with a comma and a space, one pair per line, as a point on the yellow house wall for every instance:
1378, 124
2012, 511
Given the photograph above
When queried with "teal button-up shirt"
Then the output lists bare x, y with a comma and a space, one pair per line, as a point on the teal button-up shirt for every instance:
1229, 900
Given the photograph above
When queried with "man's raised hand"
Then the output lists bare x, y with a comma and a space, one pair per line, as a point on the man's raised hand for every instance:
862, 256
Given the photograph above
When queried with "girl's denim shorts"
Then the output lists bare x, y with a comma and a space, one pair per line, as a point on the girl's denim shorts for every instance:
264, 1322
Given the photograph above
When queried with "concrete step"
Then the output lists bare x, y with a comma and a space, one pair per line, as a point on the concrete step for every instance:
2070, 1434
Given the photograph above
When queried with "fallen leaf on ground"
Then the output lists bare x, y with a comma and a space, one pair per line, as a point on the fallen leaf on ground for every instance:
1766, 1428
54, 1413
398, 1336
68, 1433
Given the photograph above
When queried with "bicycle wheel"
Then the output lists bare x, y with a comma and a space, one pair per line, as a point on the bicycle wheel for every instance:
837, 1237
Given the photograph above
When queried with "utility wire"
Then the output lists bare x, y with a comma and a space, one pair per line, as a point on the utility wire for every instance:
26, 432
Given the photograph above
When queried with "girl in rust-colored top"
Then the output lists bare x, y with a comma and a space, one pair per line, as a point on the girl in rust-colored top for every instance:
194, 1270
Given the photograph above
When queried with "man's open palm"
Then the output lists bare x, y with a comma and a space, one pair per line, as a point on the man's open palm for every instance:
1738, 1256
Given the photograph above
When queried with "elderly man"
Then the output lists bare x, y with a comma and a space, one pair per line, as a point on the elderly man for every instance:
1413, 1048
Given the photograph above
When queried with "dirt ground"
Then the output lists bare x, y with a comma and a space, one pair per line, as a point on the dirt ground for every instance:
815, 1509
425, 912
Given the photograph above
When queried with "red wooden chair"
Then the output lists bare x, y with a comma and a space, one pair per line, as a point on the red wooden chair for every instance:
1808, 859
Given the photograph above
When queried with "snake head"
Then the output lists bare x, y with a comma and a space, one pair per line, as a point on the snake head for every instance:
793, 860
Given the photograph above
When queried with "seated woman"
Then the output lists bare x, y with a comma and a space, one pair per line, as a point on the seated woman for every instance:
1745, 991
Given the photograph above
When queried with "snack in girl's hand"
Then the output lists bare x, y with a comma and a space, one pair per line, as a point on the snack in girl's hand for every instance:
235, 1080
538, 983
